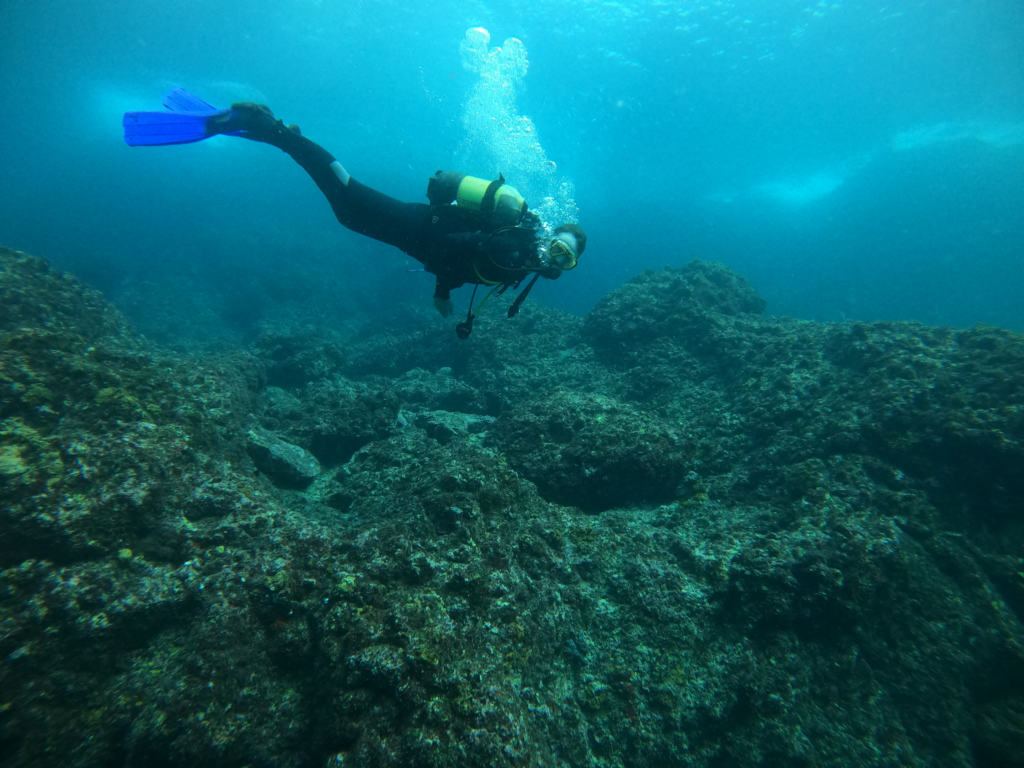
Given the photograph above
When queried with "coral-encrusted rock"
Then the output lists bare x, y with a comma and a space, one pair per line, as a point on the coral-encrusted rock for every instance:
294, 359
834, 578
99, 433
333, 419
668, 303
287, 465
441, 391
35, 296
444, 426
591, 452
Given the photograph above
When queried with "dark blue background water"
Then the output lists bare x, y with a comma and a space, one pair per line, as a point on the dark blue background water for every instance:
854, 160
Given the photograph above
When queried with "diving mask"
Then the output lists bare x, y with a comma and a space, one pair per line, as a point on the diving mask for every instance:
562, 255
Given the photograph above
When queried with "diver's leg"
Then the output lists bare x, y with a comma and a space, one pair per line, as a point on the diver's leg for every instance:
357, 206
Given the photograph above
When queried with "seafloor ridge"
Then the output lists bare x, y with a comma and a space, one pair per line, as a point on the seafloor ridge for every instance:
670, 533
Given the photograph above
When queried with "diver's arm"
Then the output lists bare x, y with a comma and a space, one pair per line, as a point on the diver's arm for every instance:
443, 297
442, 290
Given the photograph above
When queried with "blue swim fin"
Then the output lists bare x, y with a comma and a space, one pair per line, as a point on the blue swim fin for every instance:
180, 100
142, 129
186, 123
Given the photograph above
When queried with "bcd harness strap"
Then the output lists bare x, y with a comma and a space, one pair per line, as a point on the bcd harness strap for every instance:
487, 203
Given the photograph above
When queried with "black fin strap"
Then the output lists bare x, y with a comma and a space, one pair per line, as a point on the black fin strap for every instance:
514, 309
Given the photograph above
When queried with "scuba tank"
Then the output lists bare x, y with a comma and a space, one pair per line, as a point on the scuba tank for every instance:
493, 204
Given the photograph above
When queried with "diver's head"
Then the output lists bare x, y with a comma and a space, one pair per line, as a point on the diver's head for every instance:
567, 246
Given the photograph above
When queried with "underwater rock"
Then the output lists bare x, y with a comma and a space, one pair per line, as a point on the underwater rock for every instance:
294, 359
333, 419
287, 465
592, 452
441, 391
444, 426
668, 303
504, 360
800, 545
40, 299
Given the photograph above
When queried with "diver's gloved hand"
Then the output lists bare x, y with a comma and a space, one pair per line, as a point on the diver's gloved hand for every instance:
444, 306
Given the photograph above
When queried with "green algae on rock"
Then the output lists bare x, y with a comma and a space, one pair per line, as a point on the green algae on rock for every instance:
589, 451
287, 465
673, 533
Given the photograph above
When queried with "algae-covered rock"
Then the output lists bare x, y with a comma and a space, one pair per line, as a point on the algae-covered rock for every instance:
445, 426
712, 539
29, 463
504, 360
295, 359
333, 419
36, 299
668, 303
441, 391
287, 465
592, 452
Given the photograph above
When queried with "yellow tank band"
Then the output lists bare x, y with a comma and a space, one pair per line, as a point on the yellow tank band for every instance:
471, 192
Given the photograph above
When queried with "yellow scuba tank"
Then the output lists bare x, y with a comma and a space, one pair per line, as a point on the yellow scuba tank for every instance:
492, 203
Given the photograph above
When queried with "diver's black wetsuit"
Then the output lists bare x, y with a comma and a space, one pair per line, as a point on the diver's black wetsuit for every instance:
442, 238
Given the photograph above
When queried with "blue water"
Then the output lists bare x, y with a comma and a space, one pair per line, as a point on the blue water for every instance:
853, 160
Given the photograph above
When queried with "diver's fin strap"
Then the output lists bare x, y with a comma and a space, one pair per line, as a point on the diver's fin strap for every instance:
514, 309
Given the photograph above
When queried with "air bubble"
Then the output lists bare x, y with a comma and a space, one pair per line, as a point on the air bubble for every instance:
503, 138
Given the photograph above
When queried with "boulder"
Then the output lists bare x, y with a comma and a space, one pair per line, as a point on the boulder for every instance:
287, 465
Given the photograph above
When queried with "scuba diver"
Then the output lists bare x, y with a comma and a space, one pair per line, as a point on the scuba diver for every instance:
473, 231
